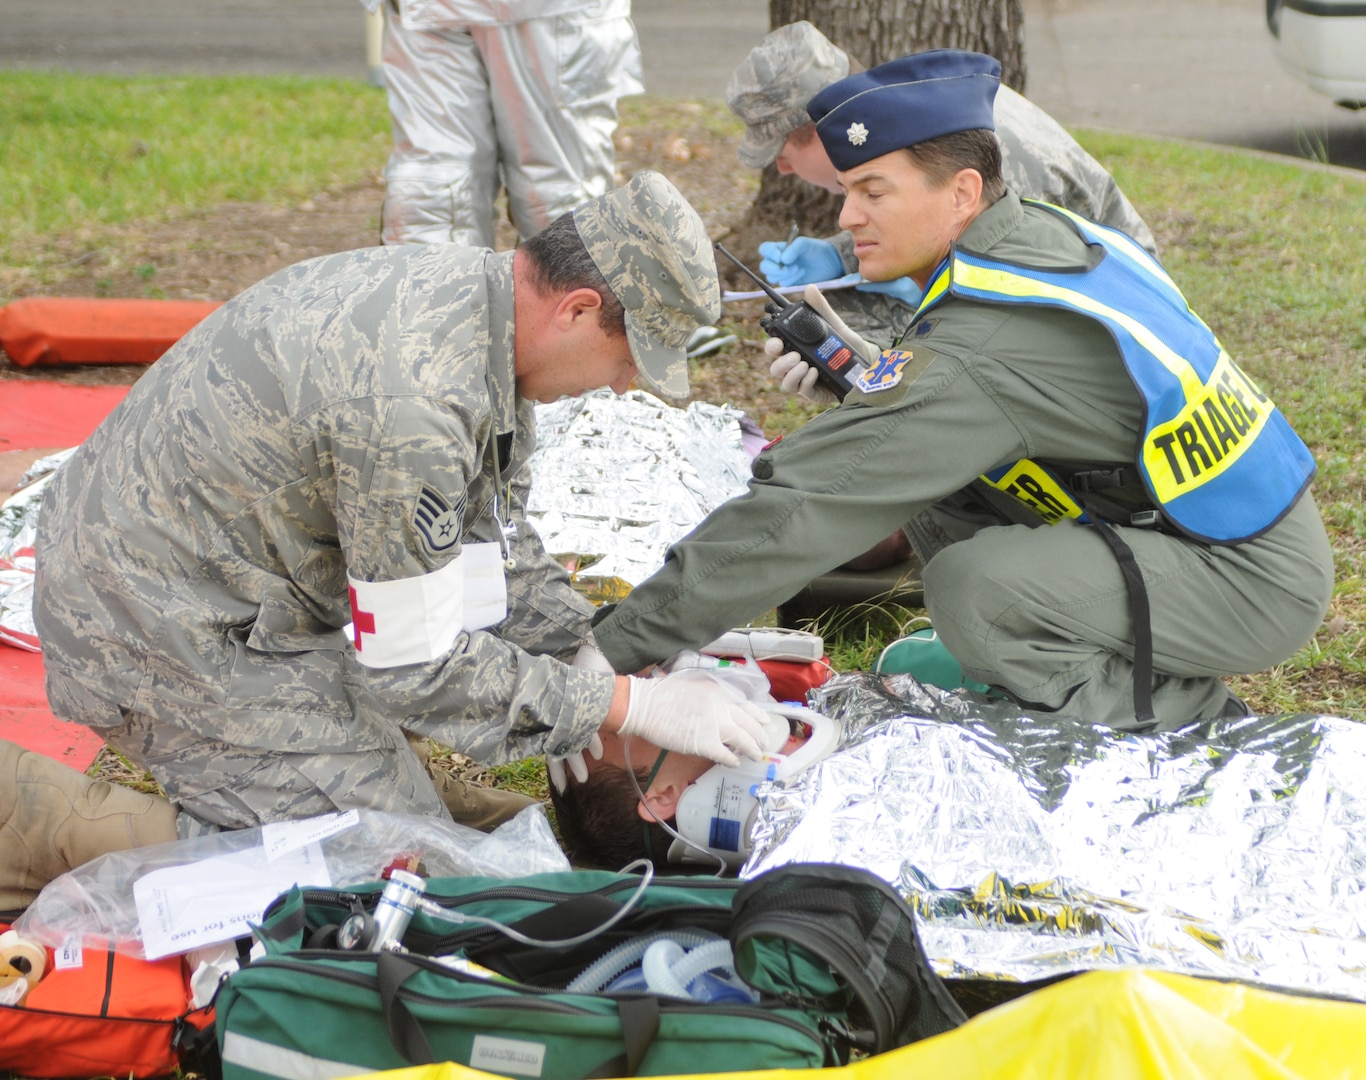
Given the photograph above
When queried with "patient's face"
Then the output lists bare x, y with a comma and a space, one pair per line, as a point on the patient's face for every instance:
675, 775
680, 769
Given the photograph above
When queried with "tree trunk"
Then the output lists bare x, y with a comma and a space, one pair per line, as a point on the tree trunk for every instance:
873, 32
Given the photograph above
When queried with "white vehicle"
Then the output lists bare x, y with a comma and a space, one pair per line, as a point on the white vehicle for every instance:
1323, 43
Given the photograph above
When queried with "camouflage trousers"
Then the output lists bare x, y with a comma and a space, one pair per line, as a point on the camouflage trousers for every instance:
219, 785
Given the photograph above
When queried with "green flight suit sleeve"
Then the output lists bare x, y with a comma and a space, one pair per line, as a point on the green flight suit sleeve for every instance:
818, 498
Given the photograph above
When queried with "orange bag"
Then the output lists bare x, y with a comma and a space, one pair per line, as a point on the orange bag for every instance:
76, 330
112, 1015
789, 680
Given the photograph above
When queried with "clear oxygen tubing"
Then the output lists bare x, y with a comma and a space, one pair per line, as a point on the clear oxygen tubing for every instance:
669, 970
703, 958
608, 966
460, 918
722, 866
657, 966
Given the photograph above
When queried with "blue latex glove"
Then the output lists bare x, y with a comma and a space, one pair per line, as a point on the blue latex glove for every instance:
902, 288
800, 262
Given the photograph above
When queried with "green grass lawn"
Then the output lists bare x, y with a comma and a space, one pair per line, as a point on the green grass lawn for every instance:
77, 152
1272, 255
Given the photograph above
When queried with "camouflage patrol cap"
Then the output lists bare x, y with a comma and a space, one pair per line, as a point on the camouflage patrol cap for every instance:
769, 91
653, 250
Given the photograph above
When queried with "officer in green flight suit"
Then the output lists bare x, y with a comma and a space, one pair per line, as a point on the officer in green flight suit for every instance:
1112, 515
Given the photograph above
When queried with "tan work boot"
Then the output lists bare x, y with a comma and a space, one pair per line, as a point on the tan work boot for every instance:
53, 819
482, 808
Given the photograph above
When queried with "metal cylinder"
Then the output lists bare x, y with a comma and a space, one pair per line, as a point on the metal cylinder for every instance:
395, 909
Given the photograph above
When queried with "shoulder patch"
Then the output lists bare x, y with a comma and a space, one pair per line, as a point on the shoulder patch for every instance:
889, 380
437, 520
890, 369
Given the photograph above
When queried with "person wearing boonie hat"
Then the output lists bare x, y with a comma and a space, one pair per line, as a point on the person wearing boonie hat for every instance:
1110, 513
302, 541
653, 251
769, 91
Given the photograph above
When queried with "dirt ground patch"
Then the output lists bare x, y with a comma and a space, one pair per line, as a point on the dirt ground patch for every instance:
215, 254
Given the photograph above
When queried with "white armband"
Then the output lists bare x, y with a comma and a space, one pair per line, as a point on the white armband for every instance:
415, 620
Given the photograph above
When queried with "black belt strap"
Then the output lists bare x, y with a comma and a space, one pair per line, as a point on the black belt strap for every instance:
405, 1032
639, 1026
1142, 616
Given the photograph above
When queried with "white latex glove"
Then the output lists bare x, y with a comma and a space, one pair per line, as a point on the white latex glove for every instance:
555, 766
693, 712
589, 656
795, 375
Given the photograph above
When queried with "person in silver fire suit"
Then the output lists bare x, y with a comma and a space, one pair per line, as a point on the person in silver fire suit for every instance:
520, 94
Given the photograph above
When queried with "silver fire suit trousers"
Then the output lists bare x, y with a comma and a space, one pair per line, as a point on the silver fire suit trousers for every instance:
530, 105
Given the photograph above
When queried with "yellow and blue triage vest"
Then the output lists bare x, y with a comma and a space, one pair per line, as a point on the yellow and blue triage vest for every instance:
1217, 457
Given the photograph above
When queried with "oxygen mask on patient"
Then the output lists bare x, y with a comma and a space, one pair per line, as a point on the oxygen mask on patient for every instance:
716, 813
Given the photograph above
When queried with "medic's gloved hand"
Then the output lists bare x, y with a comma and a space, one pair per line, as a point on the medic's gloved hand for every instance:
903, 288
794, 374
555, 766
800, 261
693, 712
589, 656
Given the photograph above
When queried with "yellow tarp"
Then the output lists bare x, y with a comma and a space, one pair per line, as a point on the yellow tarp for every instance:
1111, 1025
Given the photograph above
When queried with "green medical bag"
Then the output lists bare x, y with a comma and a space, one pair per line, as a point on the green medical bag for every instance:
463, 989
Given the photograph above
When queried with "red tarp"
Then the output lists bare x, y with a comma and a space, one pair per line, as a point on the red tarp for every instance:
45, 414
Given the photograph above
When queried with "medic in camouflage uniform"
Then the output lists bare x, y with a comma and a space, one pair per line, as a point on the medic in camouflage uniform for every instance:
770, 91
521, 93
301, 536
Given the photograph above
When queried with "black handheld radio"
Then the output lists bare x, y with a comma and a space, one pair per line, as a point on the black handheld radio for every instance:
803, 331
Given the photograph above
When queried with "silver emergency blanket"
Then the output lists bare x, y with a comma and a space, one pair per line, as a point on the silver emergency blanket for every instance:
616, 480
1031, 848
18, 533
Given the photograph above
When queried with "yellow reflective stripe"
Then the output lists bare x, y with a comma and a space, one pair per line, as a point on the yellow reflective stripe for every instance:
1029, 482
1212, 432
936, 289
999, 281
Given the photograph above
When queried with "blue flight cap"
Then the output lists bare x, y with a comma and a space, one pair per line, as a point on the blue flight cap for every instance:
904, 102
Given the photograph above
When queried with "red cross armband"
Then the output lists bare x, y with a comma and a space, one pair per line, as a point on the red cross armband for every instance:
416, 620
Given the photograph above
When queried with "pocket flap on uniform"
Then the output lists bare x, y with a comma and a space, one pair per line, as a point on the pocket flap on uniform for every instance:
282, 627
